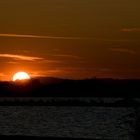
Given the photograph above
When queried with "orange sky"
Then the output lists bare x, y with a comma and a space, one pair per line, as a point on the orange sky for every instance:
70, 38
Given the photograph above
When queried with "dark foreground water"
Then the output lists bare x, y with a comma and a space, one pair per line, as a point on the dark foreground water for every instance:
77, 122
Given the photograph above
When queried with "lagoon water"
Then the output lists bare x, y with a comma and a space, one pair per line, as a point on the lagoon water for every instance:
75, 122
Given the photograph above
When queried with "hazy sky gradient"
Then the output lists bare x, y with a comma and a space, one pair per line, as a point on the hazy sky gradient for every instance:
73, 38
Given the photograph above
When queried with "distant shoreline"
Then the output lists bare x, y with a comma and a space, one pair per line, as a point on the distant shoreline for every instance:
54, 87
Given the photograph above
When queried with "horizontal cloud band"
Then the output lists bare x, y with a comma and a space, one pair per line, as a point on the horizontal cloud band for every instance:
66, 38
21, 57
40, 37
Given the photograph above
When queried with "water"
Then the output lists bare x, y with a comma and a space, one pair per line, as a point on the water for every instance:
76, 122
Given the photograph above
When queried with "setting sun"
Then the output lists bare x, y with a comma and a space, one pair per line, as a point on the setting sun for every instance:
21, 76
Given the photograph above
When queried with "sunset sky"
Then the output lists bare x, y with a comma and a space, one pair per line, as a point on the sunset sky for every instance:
70, 38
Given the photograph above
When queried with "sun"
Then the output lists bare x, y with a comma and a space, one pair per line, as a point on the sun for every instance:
21, 76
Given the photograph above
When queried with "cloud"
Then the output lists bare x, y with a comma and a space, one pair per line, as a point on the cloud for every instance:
68, 56
40, 37
123, 50
66, 38
130, 30
46, 73
1, 74
21, 57
3, 77
48, 61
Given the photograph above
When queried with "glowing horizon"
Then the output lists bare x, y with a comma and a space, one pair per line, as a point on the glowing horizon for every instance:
70, 39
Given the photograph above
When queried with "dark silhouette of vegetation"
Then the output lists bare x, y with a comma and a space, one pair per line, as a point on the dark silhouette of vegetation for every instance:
51, 87
55, 87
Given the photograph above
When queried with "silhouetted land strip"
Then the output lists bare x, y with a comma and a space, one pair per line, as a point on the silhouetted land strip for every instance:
54, 87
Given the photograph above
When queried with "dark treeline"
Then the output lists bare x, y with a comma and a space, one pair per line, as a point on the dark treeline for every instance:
51, 87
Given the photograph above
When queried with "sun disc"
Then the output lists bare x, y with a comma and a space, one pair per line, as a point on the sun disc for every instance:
21, 76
